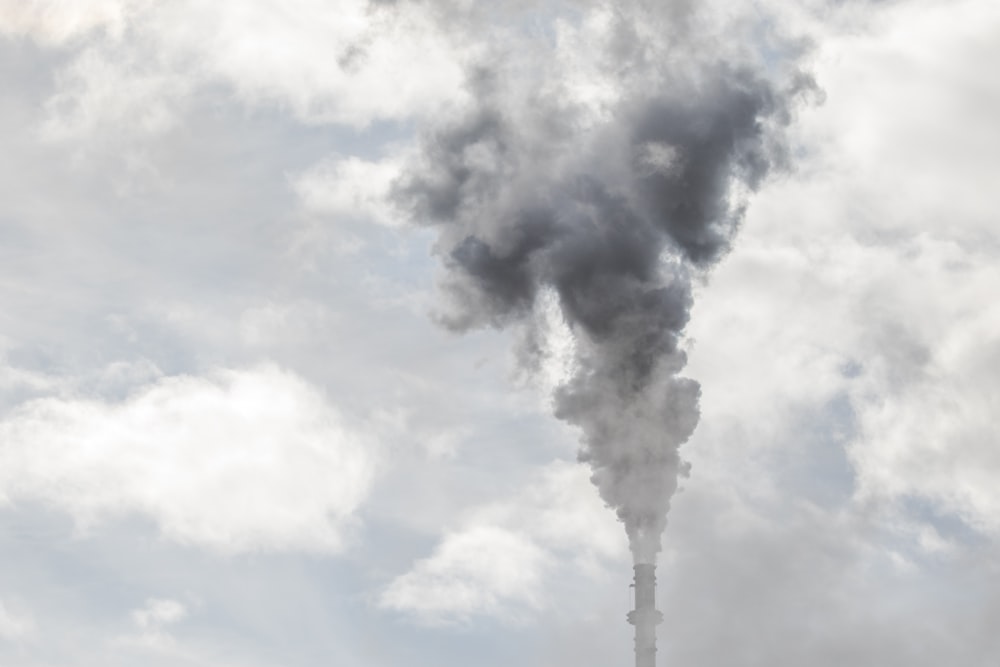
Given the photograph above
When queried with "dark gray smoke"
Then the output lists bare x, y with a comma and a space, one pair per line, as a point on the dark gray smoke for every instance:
614, 213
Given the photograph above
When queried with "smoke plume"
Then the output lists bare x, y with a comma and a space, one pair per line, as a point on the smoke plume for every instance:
614, 203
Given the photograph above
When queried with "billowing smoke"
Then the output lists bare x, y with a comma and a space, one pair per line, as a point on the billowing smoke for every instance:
613, 206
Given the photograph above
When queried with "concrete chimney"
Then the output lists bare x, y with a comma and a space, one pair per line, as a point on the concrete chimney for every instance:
645, 617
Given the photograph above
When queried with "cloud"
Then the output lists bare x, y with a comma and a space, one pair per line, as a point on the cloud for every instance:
928, 398
54, 22
238, 460
855, 307
912, 250
348, 62
113, 90
504, 559
152, 622
158, 613
482, 570
154, 640
350, 187
14, 626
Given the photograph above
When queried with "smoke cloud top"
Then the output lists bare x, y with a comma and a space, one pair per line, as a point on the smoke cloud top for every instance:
613, 202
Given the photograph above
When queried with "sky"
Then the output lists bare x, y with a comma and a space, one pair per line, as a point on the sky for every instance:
294, 357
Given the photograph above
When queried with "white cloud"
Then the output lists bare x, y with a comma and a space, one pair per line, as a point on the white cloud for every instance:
113, 89
152, 637
14, 626
342, 62
57, 21
482, 570
239, 460
561, 510
502, 560
14, 381
349, 188
152, 622
273, 323
867, 275
913, 181
929, 406
158, 612
347, 62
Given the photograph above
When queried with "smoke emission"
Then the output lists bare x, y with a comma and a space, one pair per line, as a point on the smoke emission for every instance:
613, 206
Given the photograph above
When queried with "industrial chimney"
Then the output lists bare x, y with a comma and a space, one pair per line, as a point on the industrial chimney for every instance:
645, 617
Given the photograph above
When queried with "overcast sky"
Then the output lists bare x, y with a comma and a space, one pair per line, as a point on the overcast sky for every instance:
238, 426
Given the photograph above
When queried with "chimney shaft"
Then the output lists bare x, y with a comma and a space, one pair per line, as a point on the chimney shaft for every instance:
645, 617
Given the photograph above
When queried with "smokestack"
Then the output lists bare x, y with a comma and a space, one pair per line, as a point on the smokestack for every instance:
645, 617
